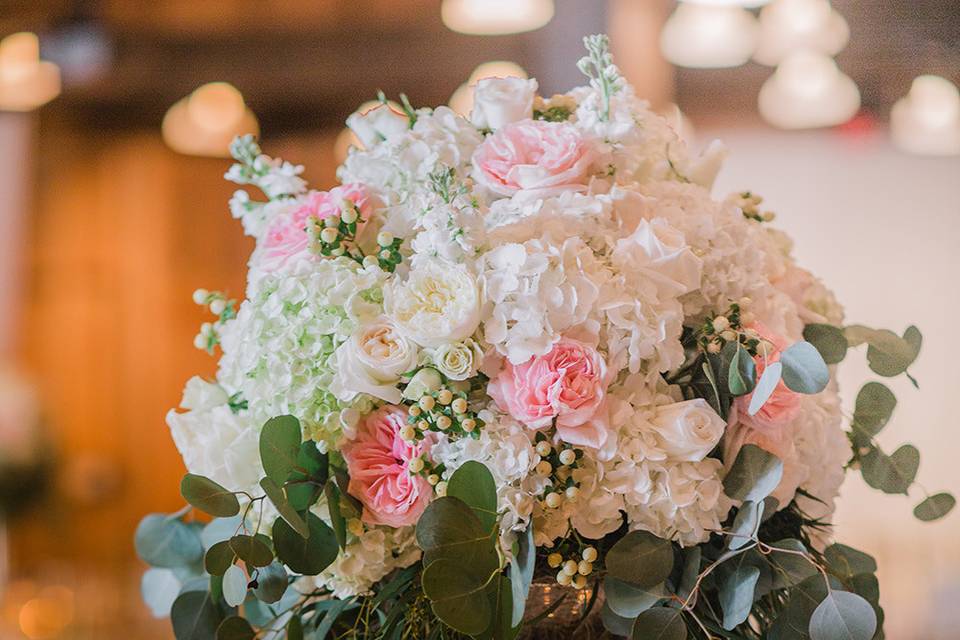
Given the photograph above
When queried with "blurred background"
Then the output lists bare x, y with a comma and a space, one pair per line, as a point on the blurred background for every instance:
844, 116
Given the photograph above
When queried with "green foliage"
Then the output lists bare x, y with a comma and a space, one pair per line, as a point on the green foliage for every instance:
306, 483
521, 573
804, 370
629, 601
337, 521
208, 496
745, 524
846, 562
754, 474
195, 616
843, 616
934, 507
742, 371
874, 407
280, 442
457, 596
640, 559
306, 556
159, 588
891, 474
888, 354
829, 340
218, 558
235, 628
614, 623
294, 628
252, 550
790, 569
287, 512
765, 387
234, 586
271, 583
660, 623
473, 483
736, 595
165, 541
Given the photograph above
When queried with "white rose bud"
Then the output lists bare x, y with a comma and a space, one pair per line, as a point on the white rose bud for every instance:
687, 431
458, 360
500, 101
377, 124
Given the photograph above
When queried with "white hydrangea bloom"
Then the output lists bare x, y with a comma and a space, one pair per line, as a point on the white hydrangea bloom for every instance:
366, 560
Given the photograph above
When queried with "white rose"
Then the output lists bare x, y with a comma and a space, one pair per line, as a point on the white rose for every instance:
438, 303
458, 360
500, 101
377, 124
372, 361
687, 431
200, 395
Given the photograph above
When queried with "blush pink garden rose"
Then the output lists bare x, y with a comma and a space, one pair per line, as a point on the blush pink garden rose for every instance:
287, 238
568, 384
783, 405
532, 156
378, 460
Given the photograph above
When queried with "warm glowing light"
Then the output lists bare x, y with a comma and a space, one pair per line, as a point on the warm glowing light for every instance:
927, 120
26, 81
495, 17
790, 25
204, 123
749, 4
462, 99
48, 614
808, 91
709, 36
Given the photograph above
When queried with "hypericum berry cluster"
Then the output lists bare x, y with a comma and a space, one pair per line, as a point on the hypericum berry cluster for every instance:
443, 410
336, 235
573, 569
749, 203
219, 306
388, 255
557, 464
731, 326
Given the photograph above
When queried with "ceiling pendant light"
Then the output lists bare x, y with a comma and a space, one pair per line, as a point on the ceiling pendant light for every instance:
26, 81
789, 25
205, 122
495, 17
927, 120
808, 91
709, 36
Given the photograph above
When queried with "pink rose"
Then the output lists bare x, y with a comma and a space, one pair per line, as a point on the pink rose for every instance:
287, 238
783, 405
542, 158
567, 385
378, 461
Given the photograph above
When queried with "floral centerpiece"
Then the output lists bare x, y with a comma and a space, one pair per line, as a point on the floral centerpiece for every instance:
521, 374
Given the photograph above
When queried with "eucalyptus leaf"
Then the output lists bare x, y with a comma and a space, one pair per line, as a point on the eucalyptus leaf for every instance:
521, 573
691, 571
195, 616
804, 370
234, 586
473, 483
337, 521
628, 601
166, 542
218, 558
272, 582
294, 628
251, 550
745, 524
220, 529
280, 442
765, 387
333, 613
829, 340
208, 496
887, 353
312, 465
793, 621
742, 371
847, 562
159, 588
790, 569
448, 528
843, 616
934, 507
499, 594
736, 595
235, 628
640, 559
287, 512
660, 623
615, 624
457, 597
754, 475
875, 405
306, 556
890, 474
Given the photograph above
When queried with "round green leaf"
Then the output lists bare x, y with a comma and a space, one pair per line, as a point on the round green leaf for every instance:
890, 355
195, 616
473, 483
660, 623
754, 474
891, 474
742, 371
162, 541
280, 446
934, 507
457, 597
829, 340
875, 405
843, 616
287, 512
159, 588
847, 562
804, 370
615, 624
218, 558
251, 550
745, 524
449, 528
628, 601
272, 582
208, 496
332, 492
765, 387
736, 595
235, 628
788, 568
234, 586
640, 559
306, 556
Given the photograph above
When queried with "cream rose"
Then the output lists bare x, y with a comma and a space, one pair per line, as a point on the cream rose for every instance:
687, 431
377, 124
500, 101
458, 360
438, 303
372, 360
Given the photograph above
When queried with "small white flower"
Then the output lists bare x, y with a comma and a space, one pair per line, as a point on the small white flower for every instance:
458, 360
377, 124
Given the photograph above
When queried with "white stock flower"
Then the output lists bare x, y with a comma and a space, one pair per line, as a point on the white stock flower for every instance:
371, 361
378, 124
438, 302
687, 431
458, 360
500, 101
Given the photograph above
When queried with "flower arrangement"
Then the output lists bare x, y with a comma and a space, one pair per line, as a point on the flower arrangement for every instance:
516, 360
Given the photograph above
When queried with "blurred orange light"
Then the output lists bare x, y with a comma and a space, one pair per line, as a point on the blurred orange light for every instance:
47, 615
205, 122
26, 82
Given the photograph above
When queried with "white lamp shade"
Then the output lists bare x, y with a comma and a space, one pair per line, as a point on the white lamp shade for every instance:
927, 120
790, 25
495, 17
709, 36
808, 91
205, 122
